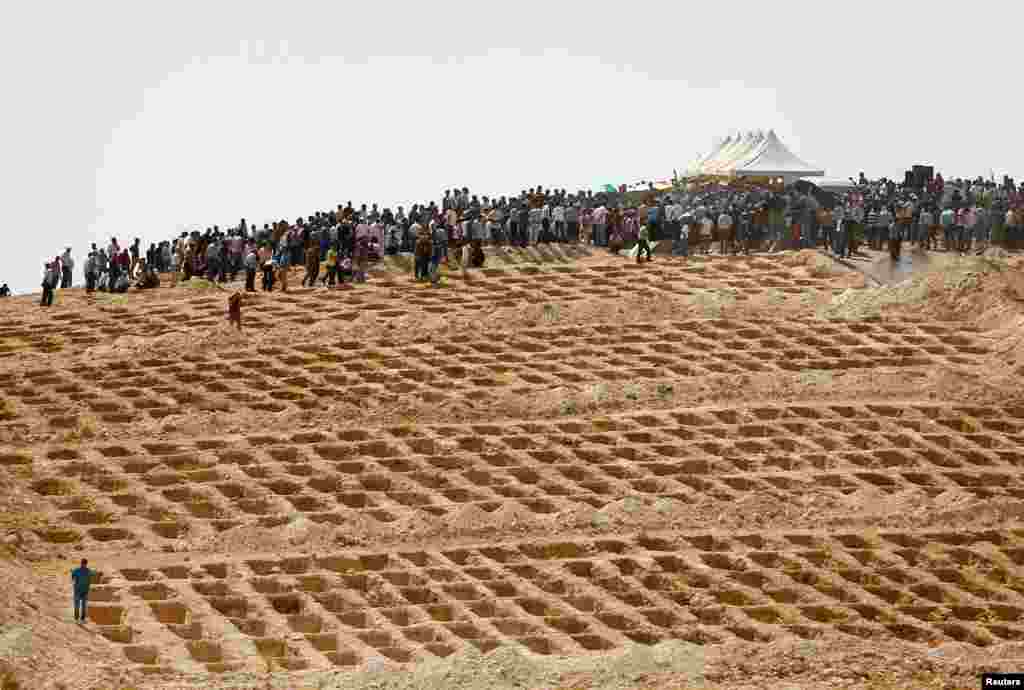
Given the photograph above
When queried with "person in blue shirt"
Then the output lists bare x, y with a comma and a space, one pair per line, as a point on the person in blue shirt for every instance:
81, 578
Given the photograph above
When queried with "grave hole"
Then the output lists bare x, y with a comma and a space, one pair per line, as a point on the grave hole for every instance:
617, 621
721, 561
155, 591
269, 585
169, 530
463, 592
888, 594
117, 634
271, 648
931, 592
502, 589
418, 595
212, 589
170, 613
306, 624
344, 658
205, 651
380, 639
911, 633
230, 606
52, 487
287, 605
142, 654
643, 637
60, 535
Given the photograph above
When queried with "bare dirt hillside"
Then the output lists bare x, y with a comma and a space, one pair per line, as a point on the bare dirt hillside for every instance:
562, 471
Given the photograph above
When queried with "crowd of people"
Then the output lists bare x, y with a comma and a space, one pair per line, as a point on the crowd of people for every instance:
337, 246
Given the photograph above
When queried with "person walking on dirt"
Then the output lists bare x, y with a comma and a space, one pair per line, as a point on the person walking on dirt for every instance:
81, 579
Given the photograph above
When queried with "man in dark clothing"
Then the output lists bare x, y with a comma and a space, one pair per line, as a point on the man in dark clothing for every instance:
81, 578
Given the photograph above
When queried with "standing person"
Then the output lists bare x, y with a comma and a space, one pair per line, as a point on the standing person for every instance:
361, 256
904, 216
312, 264
653, 220
558, 216
332, 266
523, 223
439, 239
599, 218
948, 219
90, 273
967, 232
572, 221
81, 579
252, 260
707, 231
724, 232
115, 269
838, 221
423, 250
235, 310
587, 220
267, 262
66, 265
642, 243
681, 245
49, 282
134, 259
925, 222
283, 262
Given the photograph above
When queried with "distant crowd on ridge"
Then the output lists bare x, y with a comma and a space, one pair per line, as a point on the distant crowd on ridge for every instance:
338, 246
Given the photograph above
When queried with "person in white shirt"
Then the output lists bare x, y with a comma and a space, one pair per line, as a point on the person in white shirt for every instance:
675, 216
724, 232
681, 241
558, 216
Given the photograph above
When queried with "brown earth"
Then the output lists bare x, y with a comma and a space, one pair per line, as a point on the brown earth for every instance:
563, 471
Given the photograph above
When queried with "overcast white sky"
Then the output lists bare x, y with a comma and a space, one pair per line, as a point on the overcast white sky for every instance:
133, 119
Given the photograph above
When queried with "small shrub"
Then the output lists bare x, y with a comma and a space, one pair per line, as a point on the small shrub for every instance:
665, 390
567, 407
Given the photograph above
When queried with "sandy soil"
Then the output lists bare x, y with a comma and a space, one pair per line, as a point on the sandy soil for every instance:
563, 471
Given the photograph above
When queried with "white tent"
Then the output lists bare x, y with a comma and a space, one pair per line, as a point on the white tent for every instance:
695, 167
775, 160
831, 184
754, 154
